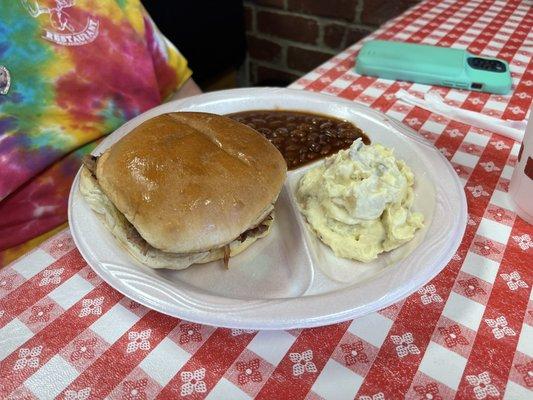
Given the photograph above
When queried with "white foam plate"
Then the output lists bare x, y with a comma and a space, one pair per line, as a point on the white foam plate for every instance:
289, 279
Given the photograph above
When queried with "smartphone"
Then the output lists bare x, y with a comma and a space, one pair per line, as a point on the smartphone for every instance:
433, 65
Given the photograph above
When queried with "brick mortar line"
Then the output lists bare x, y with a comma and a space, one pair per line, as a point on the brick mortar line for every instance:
285, 43
319, 19
260, 63
244, 73
259, 7
345, 39
359, 11
321, 34
396, 18
288, 42
284, 62
254, 19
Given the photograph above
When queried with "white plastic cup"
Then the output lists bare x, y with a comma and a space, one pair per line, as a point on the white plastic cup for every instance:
521, 186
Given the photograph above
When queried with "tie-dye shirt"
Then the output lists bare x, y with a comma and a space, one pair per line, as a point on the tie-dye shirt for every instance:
79, 69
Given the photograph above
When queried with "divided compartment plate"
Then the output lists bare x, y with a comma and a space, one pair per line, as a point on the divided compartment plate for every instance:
288, 279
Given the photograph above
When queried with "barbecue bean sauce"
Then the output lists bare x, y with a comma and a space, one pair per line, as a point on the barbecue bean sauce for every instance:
299, 136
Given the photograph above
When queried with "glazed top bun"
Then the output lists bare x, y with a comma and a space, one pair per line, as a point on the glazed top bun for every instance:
190, 182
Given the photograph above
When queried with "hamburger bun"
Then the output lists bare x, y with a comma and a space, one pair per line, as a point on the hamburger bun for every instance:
189, 184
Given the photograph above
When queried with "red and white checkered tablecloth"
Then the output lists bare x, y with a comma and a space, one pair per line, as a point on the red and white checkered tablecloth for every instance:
467, 334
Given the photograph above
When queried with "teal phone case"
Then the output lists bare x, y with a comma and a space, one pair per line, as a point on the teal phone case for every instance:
431, 65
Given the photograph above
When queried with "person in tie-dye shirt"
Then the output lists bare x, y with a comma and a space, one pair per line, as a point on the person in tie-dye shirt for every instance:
78, 70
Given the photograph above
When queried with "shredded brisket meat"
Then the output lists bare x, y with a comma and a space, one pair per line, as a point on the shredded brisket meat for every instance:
134, 236
226, 255
90, 163
259, 229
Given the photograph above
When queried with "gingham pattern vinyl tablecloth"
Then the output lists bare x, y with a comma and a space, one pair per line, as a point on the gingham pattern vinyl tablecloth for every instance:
467, 334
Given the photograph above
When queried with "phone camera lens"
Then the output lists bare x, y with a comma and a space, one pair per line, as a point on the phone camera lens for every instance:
486, 65
499, 66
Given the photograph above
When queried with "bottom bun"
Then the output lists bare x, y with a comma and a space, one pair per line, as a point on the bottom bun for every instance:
118, 225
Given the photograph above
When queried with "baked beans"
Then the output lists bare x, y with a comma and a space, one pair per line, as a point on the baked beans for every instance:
301, 137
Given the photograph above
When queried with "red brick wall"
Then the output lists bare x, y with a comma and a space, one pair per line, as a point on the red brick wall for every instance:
287, 38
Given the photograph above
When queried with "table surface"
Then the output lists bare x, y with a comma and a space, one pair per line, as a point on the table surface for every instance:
467, 334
